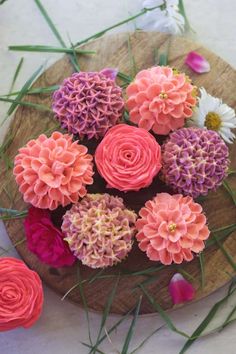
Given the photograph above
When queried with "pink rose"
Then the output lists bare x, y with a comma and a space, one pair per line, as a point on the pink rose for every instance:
128, 158
21, 295
45, 240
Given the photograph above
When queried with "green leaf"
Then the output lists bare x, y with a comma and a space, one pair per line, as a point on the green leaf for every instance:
114, 327
106, 313
126, 78
230, 191
225, 253
85, 305
21, 94
162, 313
207, 320
17, 102
131, 328
50, 23
146, 339
163, 59
36, 90
18, 68
201, 261
224, 232
48, 49
118, 24
13, 246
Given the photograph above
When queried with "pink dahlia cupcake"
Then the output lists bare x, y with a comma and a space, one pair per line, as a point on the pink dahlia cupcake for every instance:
195, 161
53, 171
99, 230
128, 158
171, 228
89, 103
160, 99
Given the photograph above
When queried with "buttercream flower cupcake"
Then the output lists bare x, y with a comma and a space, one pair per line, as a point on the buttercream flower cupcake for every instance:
128, 158
160, 99
53, 171
171, 228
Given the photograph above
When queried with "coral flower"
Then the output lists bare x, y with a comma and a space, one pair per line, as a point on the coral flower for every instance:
45, 240
99, 230
171, 228
21, 295
180, 289
89, 103
53, 171
128, 158
195, 161
160, 99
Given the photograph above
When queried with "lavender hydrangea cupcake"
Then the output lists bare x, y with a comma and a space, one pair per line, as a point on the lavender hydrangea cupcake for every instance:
195, 161
89, 103
99, 230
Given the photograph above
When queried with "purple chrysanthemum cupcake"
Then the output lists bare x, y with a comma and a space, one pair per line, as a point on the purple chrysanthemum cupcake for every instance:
99, 230
195, 161
89, 103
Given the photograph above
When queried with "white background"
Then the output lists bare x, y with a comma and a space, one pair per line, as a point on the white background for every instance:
62, 326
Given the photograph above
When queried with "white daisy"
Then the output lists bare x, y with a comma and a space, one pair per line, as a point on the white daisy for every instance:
166, 18
212, 114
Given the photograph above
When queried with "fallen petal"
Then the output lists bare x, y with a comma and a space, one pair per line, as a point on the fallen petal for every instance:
197, 63
180, 289
110, 73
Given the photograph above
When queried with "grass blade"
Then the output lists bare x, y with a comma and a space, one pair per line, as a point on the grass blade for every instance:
146, 339
114, 327
18, 68
21, 94
225, 253
230, 191
201, 262
131, 328
105, 314
162, 313
163, 59
224, 233
17, 102
48, 49
207, 320
50, 23
13, 246
36, 90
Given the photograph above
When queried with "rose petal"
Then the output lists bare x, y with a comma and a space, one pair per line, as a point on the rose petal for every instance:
197, 63
180, 289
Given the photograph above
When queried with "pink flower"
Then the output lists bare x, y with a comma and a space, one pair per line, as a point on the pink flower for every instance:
110, 73
171, 228
45, 240
180, 289
53, 171
21, 295
128, 158
160, 99
197, 63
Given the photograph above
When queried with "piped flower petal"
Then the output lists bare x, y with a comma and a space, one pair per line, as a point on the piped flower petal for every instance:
110, 73
180, 289
197, 63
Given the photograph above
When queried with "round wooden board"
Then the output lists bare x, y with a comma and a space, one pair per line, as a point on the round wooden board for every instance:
112, 51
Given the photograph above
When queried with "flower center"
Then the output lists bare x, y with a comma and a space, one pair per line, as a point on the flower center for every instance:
163, 95
172, 227
213, 121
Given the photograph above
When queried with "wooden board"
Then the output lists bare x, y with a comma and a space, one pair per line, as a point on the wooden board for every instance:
112, 51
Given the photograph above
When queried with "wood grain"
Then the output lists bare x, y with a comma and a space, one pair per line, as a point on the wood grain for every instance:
112, 51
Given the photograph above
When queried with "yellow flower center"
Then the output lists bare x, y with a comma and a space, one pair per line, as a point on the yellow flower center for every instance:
163, 95
175, 71
213, 121
172, 227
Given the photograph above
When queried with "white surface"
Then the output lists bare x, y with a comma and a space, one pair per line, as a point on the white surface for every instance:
62, 327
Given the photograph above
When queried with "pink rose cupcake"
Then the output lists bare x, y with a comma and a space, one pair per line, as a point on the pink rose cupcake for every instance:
128, 158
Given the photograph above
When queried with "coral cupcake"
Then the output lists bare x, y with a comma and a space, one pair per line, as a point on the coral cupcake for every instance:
195, 161
53, 171
89, 103
160, 99
171, 228
128, 158
99, 230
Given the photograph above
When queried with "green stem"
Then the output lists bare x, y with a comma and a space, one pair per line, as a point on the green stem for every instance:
48, 49
129, 19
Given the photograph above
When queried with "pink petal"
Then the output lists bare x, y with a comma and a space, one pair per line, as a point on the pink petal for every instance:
180, 289
197, 63
110, 73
